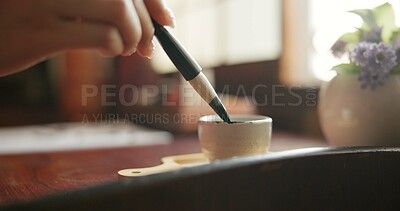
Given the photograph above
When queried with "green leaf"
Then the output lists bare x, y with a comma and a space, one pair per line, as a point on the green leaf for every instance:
368, 17
396, 70
351, 38
395, 35
347, 68
384, 17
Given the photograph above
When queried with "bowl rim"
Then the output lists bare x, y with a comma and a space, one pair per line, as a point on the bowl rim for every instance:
237, 118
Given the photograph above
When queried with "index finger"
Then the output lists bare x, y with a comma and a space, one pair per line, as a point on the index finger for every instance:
160, 12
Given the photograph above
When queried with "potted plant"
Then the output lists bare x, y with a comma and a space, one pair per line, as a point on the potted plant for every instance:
360, 106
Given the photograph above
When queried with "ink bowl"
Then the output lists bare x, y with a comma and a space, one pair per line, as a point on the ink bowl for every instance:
247, 135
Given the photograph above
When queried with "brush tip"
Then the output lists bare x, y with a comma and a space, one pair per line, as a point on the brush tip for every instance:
219, 108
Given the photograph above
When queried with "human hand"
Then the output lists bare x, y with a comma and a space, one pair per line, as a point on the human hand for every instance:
33, 30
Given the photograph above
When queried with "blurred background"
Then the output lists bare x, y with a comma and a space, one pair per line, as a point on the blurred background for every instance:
263, 56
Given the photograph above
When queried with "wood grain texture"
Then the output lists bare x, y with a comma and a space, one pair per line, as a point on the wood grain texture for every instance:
31, 176
316, 179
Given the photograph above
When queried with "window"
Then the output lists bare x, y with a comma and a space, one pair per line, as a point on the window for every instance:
224, 32
311, 27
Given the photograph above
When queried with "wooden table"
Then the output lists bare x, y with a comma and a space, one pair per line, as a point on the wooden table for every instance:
31, 176
352, 178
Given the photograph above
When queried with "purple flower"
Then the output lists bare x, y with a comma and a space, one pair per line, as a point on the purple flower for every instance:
357, 55
376, 62
371, 79
374, 35
380, 57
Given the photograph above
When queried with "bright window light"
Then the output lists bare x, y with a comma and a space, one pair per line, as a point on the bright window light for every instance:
225, 32
330, 19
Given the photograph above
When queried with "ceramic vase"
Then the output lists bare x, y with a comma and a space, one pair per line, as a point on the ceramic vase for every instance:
352, 116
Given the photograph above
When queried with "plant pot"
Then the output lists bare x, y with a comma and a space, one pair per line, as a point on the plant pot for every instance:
352, 116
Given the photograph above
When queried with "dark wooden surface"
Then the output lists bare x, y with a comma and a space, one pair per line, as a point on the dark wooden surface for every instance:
317, 179
27, 177
31, 176
360, 178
